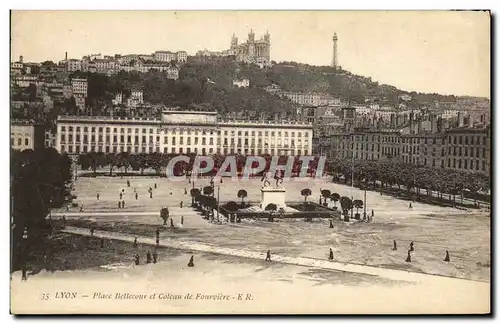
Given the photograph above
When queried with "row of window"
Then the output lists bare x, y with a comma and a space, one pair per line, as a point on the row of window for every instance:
466, 151
189, 140
182, 131
19, 141
451, 139
467, 139
77, 149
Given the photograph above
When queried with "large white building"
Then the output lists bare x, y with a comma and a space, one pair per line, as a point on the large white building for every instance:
26, 135
79, 87
167, 56
181, 132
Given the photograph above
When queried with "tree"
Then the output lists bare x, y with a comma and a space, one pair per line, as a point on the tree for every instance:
346, 205
335, 197
231, 206
242, 194
325, 193
37, 184
208, 190
195, 192
357, 204
164, 214
271, 208
305, 193
113, 161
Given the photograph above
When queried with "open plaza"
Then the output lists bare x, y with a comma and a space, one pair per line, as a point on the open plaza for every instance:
434, 230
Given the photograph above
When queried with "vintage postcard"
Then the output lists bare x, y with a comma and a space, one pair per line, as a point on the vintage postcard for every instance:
250, 162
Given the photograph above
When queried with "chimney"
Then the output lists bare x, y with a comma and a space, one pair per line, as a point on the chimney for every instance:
412, 130
433, 124
446, 124
66, 56
460, 119
439, 125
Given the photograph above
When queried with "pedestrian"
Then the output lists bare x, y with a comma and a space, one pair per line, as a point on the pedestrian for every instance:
155, 256
189, 179
191, 262
123, 203
331, 254
331, 223
123, 190
136, 196
411, 247
185, 191
157, 233
170, 192
81, 209
268, 256
408, 258
410, 206
135, 241
157, 241
128, 183
221, 180
119, 204
91, 231
182, 220
148, 257
447, 257
102, 243
24, 276
137, 259
394, 246
155, 185
181, 204
121, 195
64, 220
97, 196
151, 194
373, 214
172, 223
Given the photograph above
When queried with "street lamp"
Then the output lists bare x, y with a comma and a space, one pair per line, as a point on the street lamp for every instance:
218, 204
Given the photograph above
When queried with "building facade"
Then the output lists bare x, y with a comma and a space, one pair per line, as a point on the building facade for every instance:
26, 135
181, 132
463, 149
468, 149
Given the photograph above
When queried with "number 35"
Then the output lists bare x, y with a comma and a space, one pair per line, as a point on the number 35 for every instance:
45, 296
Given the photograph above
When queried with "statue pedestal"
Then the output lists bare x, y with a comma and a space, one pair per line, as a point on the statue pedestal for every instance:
270, 195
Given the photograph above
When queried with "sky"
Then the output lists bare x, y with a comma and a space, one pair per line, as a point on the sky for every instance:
447, 52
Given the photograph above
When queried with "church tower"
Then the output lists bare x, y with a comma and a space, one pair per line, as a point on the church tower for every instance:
234, 41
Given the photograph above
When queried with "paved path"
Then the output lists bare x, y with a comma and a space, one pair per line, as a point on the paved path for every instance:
390, 274
104, 213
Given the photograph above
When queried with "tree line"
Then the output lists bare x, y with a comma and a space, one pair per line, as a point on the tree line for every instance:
39, 180
158, 162
394, 172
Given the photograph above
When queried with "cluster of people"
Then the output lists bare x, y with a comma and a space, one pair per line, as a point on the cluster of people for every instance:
412, 248
150, 257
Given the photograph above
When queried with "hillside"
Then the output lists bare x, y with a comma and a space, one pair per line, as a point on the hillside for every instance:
209, 83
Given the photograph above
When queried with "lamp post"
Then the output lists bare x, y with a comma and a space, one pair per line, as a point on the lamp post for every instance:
218, 204
352, 178
364, 204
